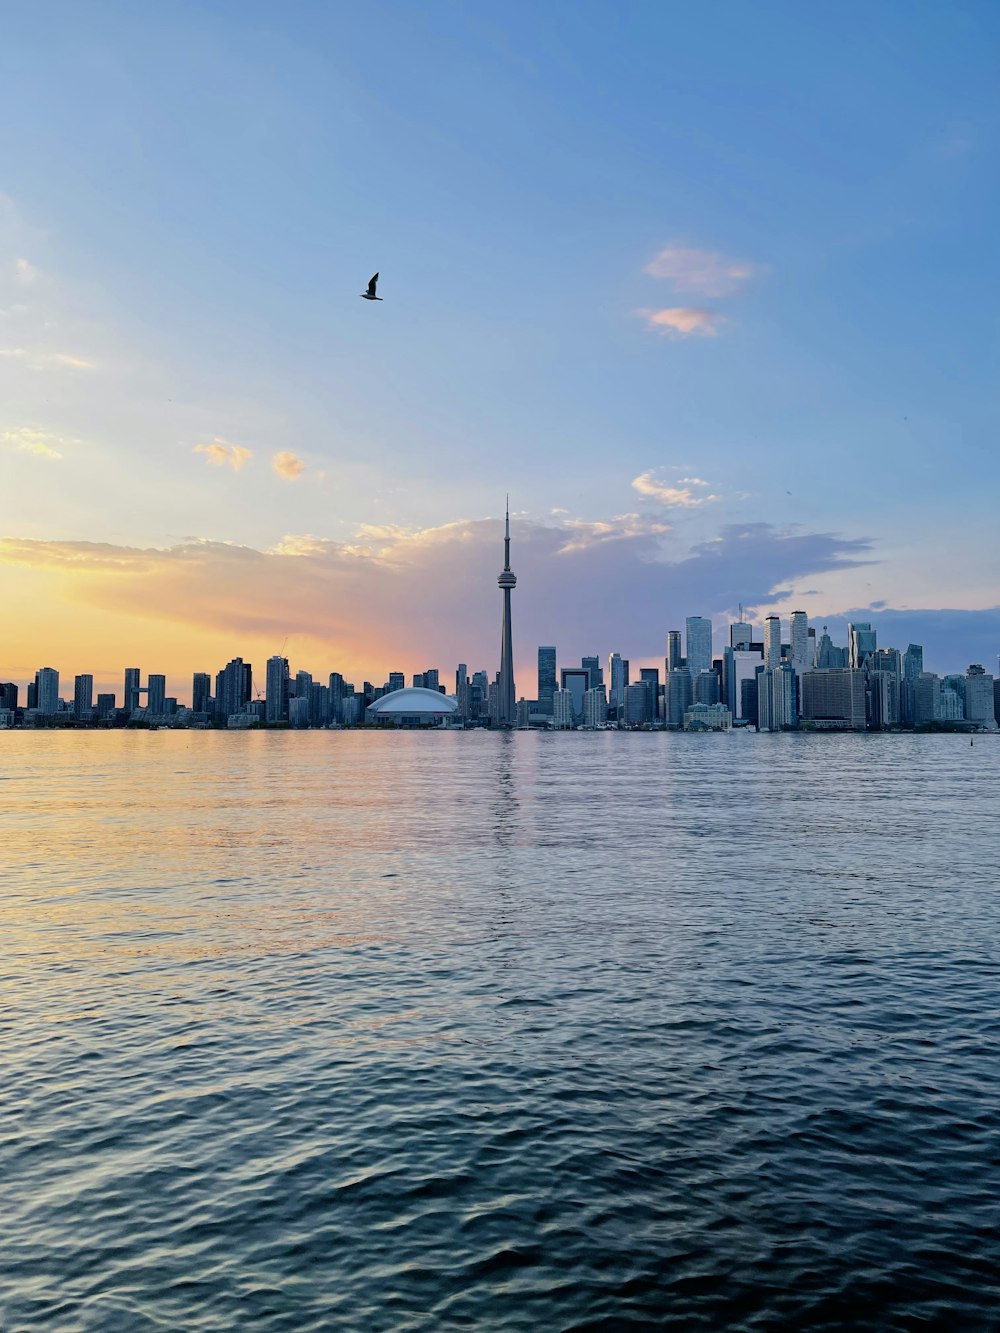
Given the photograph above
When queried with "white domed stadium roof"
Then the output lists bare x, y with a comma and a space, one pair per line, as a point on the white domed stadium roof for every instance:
415, 702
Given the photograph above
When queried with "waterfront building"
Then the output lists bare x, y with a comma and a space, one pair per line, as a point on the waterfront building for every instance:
707, 717
705, 687
772, 642
951, 707
506, 582
523, 714
105, 707
577, 681
155, 694
298, 710
926, 699
201, 690
913, 665
8, 696
418, 707
979, 704
83, 696
799, 642
698, 632
777, 708
739, 665
679, 696
833, 698
563, 710
650, 677
595, 708
547, 682
233, 689
130, 700
335, 701
863, 641
637, 705
882, 699
47, 691
276, 690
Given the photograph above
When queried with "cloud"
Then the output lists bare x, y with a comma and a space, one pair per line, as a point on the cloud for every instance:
288, 465
26, 273
32, 441
390, 599
680, 496
701, 272
683, 321
221, 453
40, 359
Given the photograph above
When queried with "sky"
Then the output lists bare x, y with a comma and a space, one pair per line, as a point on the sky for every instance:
710, 290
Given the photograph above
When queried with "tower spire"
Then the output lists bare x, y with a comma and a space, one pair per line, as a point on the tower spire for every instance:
506, 713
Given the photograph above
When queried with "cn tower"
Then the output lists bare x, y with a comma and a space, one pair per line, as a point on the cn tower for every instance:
506, 714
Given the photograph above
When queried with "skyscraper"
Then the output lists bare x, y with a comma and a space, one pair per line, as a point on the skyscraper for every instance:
593, 665
699, 644
201, 690
772, 642
618, 676
156, 694
740, 634
546, 678
131, 699
674, 654
276, 695
506, 714
799, 640
863, 642
83, 696
47, 691
577, 681
678, 700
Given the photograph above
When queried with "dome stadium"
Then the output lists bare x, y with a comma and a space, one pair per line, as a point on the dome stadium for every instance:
415, 707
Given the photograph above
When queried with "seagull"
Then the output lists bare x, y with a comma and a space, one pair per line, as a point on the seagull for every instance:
369, 295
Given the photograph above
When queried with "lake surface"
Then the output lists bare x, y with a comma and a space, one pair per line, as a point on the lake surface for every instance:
483, 1031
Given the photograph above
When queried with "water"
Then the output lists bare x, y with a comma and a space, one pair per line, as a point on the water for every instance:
498, 1031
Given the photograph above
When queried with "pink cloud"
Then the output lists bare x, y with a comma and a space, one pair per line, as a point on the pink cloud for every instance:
683, 321
701, 272
288, 465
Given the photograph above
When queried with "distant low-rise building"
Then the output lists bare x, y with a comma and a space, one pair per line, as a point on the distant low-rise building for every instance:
707, 717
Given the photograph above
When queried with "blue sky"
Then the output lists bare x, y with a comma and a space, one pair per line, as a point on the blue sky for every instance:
194, 196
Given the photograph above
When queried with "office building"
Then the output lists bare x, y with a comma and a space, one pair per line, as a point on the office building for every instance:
708, 717
593, 666
979, 703
618, 678
577, 681
637, 705
833, 698
547, 682
8, 696
105, 707
675, 656
83, 697
740, 635
863, 641
679, 696
705, 687
882, 699
739, 665
951, 705
777, 704
698, 631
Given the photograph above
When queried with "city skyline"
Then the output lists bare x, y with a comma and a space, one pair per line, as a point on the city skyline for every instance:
724, 356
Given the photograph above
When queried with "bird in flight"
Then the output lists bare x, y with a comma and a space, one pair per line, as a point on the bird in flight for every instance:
369, 295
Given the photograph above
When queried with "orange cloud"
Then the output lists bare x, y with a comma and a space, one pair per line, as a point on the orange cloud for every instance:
701, 272
680, 496
288, 465
683, 322
220, 453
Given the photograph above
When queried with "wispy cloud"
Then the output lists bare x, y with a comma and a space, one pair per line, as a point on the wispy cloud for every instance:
288, 465
679, 496
701, 272
220, 453
33, 358
26, 273
681, 321
29, 440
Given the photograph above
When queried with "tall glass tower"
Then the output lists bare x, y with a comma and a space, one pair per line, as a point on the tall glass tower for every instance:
506, 711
